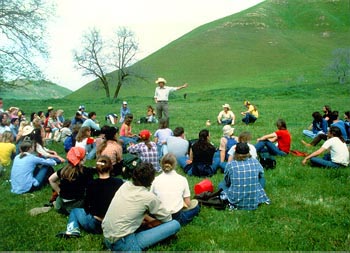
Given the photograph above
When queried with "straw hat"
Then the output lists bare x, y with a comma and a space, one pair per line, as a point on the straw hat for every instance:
226, 106
228, 130
27, 130
160, 80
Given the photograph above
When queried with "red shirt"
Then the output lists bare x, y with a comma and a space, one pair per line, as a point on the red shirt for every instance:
283, 140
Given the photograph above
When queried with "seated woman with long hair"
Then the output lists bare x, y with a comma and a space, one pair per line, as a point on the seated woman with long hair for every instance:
111, 148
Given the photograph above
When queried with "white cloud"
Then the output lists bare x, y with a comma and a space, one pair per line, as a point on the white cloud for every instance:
155, 23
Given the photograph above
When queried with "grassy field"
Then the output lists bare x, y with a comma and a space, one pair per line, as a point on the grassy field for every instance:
274, 55
310, 207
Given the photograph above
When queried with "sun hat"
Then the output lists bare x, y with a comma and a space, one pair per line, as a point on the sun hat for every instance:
27, 130
228, 130
227, 106
125, 103
145, 134
242, 148
160, 80
75, 155
50, 108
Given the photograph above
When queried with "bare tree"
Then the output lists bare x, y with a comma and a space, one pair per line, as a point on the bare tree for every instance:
98, 58
340, 64
22, 27
124, 54
92, 58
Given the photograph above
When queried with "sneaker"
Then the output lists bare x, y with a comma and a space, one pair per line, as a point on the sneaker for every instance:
67, 235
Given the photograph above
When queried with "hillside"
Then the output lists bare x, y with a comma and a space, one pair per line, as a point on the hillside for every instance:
32, 90
278, 39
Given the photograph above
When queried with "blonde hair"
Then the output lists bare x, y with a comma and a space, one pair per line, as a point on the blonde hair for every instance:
168, 162
6, 136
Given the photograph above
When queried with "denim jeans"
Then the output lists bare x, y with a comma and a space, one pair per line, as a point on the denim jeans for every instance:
268, 146
249, 118
91, 151
182, 163
42, 173
142, 240
324, 162
186, 216
79, 218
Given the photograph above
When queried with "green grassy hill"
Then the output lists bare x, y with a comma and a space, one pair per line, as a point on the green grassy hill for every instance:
32, 90
285, 41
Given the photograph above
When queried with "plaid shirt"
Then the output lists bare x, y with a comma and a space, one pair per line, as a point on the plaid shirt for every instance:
146, 154
244, 189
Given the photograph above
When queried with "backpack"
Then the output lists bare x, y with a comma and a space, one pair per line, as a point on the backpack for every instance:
68, 143
211, 199
130, 162
267, 161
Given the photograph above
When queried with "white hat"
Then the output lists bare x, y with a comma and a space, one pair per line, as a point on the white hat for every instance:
160, 80
227, 106
228, 130
27, 130
125, 103
82, 107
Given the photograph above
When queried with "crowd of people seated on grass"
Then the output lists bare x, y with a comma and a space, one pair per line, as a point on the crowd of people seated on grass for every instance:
98, 200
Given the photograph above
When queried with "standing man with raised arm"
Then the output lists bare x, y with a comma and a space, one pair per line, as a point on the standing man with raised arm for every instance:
161, 97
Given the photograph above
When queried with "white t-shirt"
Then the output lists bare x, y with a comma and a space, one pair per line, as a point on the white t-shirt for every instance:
252, 151
339, 150
171, 188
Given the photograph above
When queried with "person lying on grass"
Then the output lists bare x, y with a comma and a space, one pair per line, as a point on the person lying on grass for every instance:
99, 194
339, 153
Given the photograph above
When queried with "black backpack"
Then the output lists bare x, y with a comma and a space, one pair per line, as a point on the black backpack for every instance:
267, 161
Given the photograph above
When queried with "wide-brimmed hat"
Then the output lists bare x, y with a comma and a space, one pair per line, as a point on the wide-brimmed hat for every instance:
50, 108
27, 130
160, 80
242, 148
75, 155
227, 106
228, 130
145, 134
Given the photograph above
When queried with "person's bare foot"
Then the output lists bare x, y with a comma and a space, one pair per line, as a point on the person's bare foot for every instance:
306, 144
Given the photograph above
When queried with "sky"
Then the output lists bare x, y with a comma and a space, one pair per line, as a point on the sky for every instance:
155, 24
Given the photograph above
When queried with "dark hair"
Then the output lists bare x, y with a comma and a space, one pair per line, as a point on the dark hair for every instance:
347, 113
328, 108
336, 132
109, 133
202, 142
335, 114
13, 120
178, 131
67, 122
91, 114
317, 116
143, 174
37, 138
281, 124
